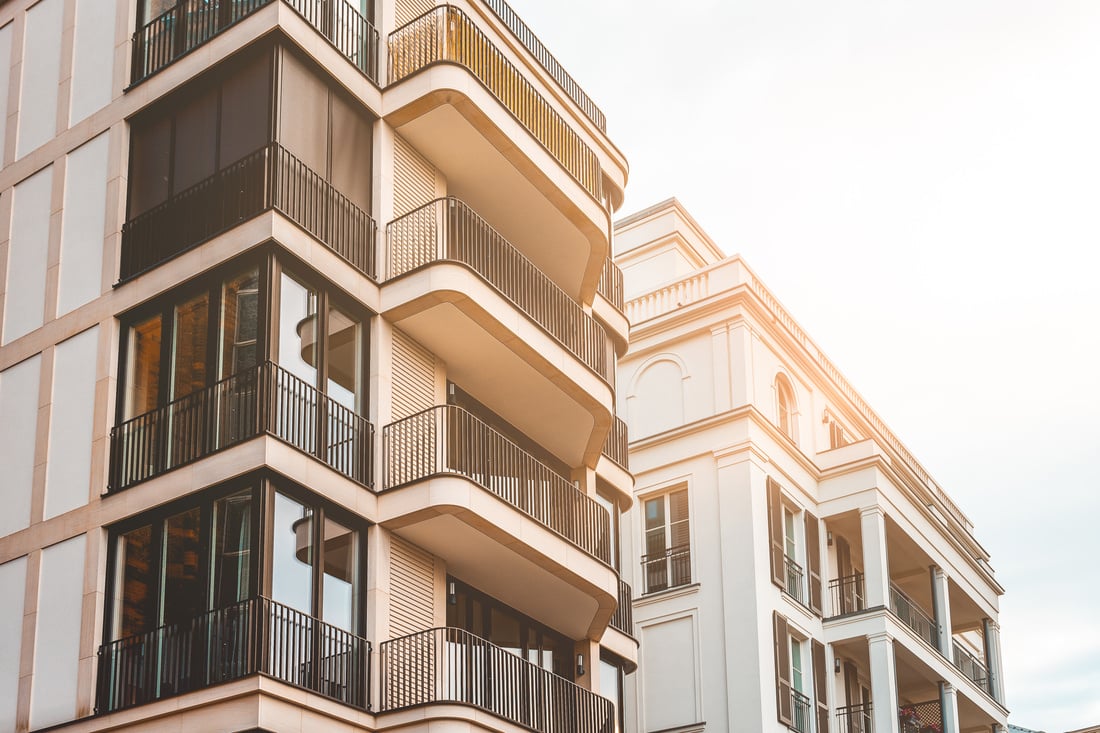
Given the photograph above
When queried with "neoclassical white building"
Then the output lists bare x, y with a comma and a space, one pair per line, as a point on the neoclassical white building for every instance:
794, 566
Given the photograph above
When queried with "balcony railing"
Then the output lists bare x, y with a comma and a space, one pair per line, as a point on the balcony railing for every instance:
447, 229
623, 619
188, 25
269, 178
446, 34
800, 712
611, 284
969, 665
669, 568
795, 585
449, 440
846, 594
264, 399
448, 665
855, 719
921, 717
257, 636
546, 59
913, 616
617, 445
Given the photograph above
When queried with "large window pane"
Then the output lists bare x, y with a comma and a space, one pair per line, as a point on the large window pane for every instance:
342, 352
338, 584
143, 372
231, 569
292, 554
181, 591
303, 114
189, 346
351, 168
150, 150
239, 323
196, 141
298, 329
136, 565
246, 106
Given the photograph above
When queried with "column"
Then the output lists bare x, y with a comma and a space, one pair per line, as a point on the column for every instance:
991, 635
876, 567
884, 683
949, 707
941, 607
719, 336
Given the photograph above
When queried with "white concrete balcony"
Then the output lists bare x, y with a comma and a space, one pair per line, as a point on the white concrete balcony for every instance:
514, 340
477, 109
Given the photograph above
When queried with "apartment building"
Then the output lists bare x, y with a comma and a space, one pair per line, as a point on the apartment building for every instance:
308, 334
794, 565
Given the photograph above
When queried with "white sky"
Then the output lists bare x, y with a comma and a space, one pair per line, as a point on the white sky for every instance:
919, 182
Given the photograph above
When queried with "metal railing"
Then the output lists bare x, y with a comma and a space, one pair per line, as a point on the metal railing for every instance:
611, 284
268, 178
617, 445
448, 229
921, 717
446, 34
449, 665
855, 719
256, 636
846, 594
449, 440
546, 59
264, 399
346, 29
800, 712
970, 666
623, 618
913, 616
670, 568
795, 587
188, 25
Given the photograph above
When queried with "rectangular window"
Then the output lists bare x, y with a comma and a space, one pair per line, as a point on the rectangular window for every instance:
667, 559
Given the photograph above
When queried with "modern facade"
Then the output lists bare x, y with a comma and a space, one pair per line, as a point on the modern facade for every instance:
794, 566
308, 334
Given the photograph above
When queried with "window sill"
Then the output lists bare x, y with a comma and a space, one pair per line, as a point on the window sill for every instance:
666, 594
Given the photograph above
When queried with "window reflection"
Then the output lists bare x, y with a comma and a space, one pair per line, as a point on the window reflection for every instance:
343, 353
143, 373
239, 323
298, 329
135, 562
232, 555
181, 594
189, 345
338, 585
292, 554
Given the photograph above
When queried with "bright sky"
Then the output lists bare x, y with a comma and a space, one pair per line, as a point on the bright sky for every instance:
919, 182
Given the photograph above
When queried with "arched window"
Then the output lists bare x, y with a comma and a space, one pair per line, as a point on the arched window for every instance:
785, 409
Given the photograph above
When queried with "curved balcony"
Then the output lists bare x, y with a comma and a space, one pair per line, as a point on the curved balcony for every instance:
448, 229
268, 179
500, 144
256, 636
613, 468
262, 400
464, 492
514, 339
188, 25
609, 306
452, 666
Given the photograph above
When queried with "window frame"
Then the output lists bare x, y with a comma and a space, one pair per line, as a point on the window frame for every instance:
786, 406
664, 494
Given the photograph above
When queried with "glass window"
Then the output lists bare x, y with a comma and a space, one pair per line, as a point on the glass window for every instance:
196, 130
788, 533
189, 345
143, 370
182, 594
246, 103
343, 359
611, 687
292, 554
340, 551
667, 560
150, 164
785, 406
298, 329
231, 562
796, 665
136, 565
239, 323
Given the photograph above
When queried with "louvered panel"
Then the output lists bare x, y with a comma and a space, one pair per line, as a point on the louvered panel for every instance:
407, 10
412, 589
413, 187
413, 378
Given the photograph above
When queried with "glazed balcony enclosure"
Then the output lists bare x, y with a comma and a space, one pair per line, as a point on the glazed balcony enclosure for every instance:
256, 576
208, 158
261, 347
450, 665
184, 26
458, 94
502, 519
515, 340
